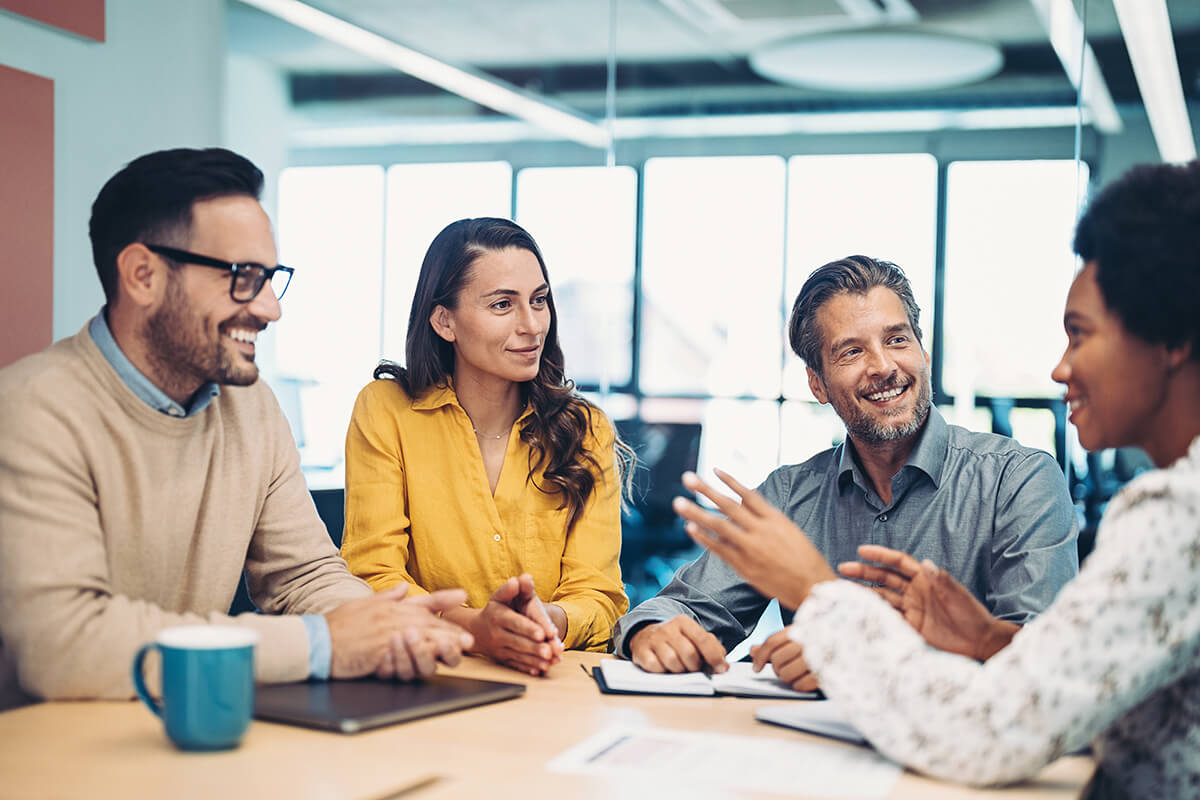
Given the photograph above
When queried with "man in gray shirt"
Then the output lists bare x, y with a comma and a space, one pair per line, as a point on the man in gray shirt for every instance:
995, 515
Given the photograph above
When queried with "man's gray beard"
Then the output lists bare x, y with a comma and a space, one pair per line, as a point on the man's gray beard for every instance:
866, 429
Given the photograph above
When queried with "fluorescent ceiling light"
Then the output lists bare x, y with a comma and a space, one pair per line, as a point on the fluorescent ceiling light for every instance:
466, 83
1147, 31
692, 127
1065, 30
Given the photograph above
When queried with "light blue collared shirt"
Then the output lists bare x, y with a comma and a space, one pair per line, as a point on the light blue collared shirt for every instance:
138, 383
320, 646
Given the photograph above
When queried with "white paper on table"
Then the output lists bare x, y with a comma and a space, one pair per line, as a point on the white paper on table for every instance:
740, 762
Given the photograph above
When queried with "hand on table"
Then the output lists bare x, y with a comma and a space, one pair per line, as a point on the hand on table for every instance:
756, 539
391, 635
677, 645
515, 629
937, 606
787, 657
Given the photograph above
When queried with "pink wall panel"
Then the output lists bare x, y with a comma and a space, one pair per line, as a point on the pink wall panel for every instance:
85, 17
26, 214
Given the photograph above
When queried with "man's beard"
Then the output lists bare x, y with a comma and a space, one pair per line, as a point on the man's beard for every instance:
179, 350
869, 429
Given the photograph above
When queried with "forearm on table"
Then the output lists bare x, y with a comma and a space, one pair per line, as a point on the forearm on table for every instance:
109, 630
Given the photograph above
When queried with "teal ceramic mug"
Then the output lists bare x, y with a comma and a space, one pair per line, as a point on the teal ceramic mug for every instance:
207, 684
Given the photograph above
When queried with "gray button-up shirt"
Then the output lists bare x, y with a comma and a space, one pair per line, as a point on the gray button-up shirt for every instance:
995, 514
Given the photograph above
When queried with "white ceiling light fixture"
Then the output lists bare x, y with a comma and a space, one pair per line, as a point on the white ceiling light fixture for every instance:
1147, 31
472, 85
1066, 32
887, 59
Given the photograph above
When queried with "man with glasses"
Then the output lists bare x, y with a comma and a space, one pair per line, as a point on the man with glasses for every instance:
144, 469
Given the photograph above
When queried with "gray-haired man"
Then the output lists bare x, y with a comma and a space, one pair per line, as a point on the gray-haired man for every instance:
996, 515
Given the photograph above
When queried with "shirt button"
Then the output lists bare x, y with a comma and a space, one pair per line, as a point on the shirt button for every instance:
496, 537
882, 517
175, 412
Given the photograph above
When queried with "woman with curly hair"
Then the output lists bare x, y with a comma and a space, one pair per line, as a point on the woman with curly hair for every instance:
477, 465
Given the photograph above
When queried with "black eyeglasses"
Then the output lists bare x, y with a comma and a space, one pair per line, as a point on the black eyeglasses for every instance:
247, 280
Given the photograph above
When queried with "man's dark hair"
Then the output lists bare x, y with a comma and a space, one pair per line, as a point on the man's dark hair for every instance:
1143, 233
856, 274
151, 199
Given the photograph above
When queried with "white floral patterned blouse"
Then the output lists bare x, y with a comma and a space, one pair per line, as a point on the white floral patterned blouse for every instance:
1115, 660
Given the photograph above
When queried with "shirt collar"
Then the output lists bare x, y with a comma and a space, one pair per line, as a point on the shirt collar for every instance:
440, 395
443, 394
138, 383
928, 454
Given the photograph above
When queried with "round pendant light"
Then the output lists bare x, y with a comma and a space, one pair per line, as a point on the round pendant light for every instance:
877, 60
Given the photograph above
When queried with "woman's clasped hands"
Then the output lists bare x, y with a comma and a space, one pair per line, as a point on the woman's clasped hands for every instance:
516, 629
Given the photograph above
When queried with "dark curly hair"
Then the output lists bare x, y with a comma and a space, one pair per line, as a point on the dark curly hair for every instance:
560, 418
1143, 233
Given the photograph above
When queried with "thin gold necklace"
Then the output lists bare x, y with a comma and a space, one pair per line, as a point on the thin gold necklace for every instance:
490, 436
482, 435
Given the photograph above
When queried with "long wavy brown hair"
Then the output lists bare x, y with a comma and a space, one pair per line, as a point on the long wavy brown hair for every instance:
560, 419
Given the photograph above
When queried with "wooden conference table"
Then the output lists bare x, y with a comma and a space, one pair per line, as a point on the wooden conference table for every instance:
119, 750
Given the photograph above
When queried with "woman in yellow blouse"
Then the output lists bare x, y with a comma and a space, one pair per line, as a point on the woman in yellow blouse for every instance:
478, 466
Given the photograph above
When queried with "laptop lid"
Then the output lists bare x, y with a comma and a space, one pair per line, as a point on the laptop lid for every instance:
358, 705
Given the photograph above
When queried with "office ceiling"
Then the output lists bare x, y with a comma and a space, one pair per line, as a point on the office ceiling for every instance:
676, 57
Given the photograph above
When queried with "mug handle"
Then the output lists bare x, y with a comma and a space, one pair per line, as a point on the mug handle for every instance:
139, 678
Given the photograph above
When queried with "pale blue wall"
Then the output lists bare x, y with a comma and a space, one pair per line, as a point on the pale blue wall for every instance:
156, 82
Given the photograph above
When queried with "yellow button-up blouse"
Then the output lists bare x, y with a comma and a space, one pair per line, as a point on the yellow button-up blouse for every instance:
419, 510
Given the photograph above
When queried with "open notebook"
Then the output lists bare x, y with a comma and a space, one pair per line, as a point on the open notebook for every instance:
617, 676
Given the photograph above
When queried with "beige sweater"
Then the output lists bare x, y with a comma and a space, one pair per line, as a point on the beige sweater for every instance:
117, 521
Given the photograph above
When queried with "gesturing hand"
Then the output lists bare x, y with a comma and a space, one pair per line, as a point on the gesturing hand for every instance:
937, 606
756, 539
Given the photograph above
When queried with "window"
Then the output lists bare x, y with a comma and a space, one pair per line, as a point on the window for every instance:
421, 200
584, 219
712, 250
1008, 267
726, 243
882, 206
738, 436
331, 232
